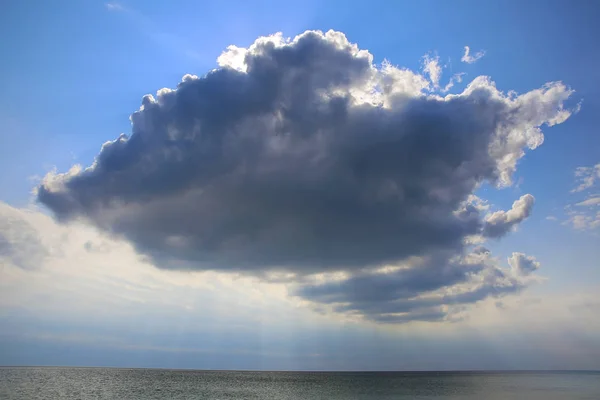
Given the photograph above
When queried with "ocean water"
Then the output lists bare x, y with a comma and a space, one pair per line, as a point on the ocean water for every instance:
113, 383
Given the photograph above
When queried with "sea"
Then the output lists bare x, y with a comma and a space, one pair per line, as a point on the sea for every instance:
32, 383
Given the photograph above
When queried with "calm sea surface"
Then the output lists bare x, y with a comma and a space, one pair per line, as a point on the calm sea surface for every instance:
112, 383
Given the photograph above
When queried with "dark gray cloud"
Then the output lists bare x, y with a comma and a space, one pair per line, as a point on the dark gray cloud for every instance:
431, 290
404, 283
303, 156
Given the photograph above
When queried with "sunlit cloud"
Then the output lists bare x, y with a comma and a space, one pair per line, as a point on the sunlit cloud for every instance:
471, 58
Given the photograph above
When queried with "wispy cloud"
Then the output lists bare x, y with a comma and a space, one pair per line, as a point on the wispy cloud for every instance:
114, 6
148, 27
586, 177
583, 221
433, 70
471, 58
592, 201
584, 214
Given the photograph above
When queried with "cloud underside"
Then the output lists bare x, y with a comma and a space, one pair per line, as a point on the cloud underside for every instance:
302, 159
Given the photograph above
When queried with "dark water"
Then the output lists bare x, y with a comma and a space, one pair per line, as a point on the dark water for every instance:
109, 383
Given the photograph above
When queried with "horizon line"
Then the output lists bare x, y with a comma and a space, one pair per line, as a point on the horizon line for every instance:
407, 371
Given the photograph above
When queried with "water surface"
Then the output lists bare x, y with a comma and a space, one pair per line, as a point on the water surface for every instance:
33, 383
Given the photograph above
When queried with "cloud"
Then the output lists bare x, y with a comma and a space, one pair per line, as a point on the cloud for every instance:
584, 214
523, 264
113, 6
586, 177
433, 71
456, 78
73, 271
19, 241
432, 67
108, 278
142, 316
501, 222
430, 289
302, 157
592, 201
137, 306
583, 221
470, 59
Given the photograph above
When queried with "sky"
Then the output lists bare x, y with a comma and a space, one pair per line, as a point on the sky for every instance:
307, 186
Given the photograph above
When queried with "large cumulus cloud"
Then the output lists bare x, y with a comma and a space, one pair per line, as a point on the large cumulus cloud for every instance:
302, 156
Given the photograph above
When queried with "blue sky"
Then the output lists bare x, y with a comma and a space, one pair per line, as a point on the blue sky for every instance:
74, 71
